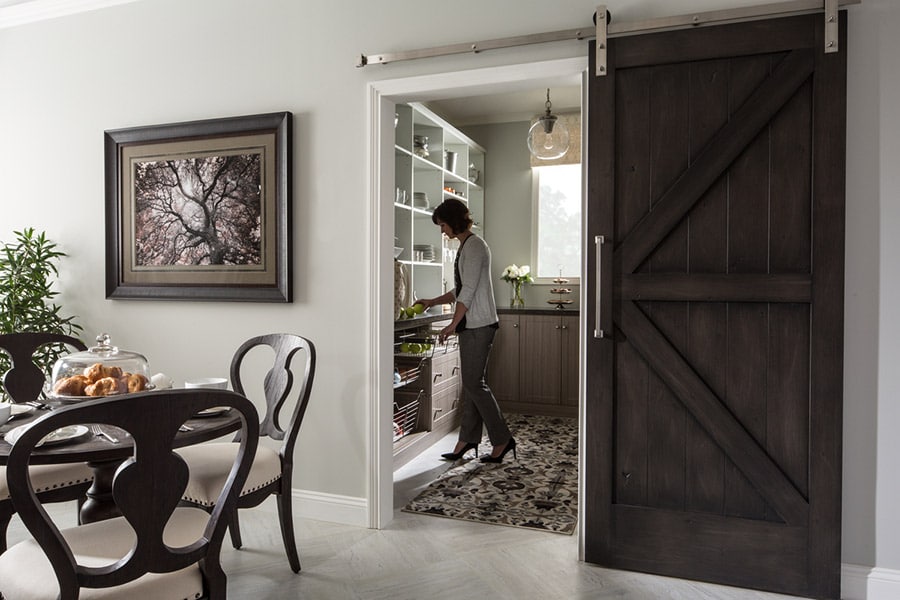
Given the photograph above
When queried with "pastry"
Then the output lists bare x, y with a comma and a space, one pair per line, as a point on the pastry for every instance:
135, 382
71, 386
98, 371
106, 386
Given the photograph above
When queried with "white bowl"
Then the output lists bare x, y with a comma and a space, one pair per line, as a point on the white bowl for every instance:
218, 383
5, 411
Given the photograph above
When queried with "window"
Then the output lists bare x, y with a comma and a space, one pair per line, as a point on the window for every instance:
557, 223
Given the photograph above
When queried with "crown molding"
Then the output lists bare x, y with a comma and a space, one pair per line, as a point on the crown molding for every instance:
32, 11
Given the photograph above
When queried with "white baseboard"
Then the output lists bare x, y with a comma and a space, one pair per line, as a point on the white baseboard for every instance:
869, 583
347, 510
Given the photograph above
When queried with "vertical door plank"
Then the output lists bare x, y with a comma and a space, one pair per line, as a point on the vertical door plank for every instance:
746, 362
787, 431
632, 396
669, 152
632, 203
707, 243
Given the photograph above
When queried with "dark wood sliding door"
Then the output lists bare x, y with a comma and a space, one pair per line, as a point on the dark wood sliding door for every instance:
713, 402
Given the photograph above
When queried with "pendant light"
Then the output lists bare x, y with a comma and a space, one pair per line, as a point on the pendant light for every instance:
546, 141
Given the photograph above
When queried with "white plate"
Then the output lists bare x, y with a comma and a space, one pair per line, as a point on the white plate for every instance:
63, 435
215, 411
20, 410
64, 399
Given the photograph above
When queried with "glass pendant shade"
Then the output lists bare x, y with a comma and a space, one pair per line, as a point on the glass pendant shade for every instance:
546, 141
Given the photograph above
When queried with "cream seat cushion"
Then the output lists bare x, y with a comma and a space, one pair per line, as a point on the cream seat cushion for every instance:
50, 477
211, 463
26, 574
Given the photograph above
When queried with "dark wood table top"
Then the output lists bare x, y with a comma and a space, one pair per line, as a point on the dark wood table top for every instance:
99, 449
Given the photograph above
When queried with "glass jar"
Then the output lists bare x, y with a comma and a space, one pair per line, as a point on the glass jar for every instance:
102, 370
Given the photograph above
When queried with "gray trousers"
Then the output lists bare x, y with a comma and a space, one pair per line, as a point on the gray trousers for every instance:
479, 407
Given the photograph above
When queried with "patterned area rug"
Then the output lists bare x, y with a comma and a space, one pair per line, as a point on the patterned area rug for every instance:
538, 491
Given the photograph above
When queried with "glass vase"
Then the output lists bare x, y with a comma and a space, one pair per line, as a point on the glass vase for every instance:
515, 295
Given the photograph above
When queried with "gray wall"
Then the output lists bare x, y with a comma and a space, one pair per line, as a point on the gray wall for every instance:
508, 206
67, 80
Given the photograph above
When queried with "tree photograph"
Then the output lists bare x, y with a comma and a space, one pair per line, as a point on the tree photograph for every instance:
204, 210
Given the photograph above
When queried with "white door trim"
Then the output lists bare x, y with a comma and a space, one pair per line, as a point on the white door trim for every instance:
382, 97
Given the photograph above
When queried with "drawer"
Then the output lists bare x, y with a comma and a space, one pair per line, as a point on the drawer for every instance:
445, 403
444, 371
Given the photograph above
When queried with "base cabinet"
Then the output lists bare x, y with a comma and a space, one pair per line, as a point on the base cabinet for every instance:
534, 364
426, 408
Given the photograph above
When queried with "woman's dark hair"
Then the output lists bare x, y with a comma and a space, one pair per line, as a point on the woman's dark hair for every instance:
454, 213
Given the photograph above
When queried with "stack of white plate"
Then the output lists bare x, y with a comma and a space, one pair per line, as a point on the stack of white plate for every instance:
427, 251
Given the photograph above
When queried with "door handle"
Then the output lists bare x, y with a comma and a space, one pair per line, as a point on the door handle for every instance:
599, 241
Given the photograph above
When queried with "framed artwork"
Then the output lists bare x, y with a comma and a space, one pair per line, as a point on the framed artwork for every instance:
200, 210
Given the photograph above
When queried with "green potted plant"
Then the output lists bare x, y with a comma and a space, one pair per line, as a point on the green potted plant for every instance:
27, 268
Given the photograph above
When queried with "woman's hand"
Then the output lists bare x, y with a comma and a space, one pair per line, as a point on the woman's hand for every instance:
446, 332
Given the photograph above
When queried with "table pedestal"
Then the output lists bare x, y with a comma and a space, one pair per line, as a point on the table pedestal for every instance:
99, 504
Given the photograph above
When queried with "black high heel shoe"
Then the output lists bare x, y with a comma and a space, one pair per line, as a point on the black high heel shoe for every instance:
510, 445
459, 455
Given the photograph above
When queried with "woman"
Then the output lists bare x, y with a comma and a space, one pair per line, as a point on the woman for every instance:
475, 323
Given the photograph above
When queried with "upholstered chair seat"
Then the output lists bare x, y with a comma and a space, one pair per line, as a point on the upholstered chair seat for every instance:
99, 544
209, 470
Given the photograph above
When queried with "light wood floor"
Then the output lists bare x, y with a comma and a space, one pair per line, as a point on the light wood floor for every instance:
421, 557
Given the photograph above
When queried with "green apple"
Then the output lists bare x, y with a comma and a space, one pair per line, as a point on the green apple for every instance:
404, 347
410, 311
415, 348
418, 308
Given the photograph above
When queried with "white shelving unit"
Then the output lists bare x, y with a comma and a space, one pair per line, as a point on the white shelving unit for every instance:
415, 173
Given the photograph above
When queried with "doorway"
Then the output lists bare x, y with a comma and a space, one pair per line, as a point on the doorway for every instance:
383, 97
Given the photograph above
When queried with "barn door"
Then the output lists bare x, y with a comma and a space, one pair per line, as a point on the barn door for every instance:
713, 409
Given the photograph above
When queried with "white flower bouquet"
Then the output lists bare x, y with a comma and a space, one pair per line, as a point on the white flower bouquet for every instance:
517, 276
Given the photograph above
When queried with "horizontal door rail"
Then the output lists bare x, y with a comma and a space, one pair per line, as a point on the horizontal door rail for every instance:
715, 17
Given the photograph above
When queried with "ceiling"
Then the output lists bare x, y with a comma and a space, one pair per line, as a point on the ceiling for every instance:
515, 102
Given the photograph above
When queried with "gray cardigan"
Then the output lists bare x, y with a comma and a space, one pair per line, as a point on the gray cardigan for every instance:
477, 293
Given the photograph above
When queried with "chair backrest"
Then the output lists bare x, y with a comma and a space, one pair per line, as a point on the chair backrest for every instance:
25, 380
147, 487
279, 382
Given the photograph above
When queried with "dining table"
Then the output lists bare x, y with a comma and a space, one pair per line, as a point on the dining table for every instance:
106, 447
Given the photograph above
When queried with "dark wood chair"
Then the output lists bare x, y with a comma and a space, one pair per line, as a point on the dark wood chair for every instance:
156, 549
24, 382
272, 469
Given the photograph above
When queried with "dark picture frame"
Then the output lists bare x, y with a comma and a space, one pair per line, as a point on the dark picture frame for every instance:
200, 210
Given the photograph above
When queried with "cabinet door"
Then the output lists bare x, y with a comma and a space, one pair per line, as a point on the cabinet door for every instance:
503, 366
569, 355
541, 373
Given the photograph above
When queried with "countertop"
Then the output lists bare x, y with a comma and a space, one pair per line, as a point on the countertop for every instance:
426, 318
431, 316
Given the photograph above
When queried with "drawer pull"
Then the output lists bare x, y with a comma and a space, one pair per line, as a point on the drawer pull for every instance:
437, 376
455, 371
